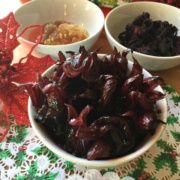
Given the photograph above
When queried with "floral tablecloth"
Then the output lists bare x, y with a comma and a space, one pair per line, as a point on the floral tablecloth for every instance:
23, 156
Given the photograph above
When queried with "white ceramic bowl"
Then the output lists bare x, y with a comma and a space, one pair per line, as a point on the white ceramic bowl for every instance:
81, 12
118, 18
142, 148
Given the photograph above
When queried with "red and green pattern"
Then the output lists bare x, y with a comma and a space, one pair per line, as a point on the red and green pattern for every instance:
22, 151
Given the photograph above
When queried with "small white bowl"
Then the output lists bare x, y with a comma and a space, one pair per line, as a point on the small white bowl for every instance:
118, 18
81, 12
142, 148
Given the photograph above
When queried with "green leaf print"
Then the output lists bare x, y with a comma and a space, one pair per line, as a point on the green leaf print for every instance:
37, 150
113, 3
139, 172
51, 176
135, 173
4, 154
160, 161
142, 163
42, 150
42, 177
163, 145
33, 174
69, 165
176, 99
20, 157
97, 2
176, 135
21, 133
20, 177
167, 158
33, 168
169, 89
172, 120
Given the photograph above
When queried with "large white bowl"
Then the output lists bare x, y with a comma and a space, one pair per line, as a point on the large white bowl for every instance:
80, 12
118, 18
142, 148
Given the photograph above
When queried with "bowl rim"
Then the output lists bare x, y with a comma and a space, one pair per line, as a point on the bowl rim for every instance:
101, 15
145, 3
98, 163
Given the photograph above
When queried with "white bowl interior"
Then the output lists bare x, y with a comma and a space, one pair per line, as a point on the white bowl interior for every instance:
81, 12
119, 17
74, 11
142, 148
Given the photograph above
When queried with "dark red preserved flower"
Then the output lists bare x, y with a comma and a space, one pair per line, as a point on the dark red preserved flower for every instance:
95, 108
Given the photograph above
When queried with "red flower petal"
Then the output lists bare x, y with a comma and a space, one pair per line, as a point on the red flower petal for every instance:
8, 40
4, 122
15, 101
26, 72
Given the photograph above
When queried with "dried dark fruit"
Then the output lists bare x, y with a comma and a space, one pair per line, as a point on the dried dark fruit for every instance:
95, 108
157, 38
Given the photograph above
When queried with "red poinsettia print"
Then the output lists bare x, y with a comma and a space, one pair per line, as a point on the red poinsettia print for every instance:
12, 99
